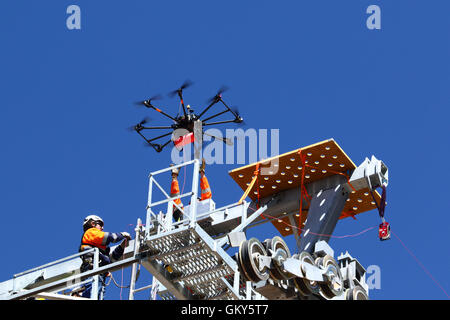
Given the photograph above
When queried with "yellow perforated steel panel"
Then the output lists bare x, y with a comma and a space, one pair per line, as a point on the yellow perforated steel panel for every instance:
284, 172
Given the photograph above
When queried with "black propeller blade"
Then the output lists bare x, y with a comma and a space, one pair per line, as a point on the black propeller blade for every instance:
218, 95
147, 103
185, 85
139, 126
238, 119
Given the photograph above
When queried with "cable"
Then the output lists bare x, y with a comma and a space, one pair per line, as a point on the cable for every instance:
421, 264
109, 282
366, 230
318, 234
121, 285
117, 285
184, 179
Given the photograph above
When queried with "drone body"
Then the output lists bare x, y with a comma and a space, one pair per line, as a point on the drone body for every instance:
183, 126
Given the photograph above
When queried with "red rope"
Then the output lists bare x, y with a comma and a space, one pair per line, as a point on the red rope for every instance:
303, 190
300, 216
256, 173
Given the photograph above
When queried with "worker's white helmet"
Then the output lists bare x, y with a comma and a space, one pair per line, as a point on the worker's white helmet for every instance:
87, 221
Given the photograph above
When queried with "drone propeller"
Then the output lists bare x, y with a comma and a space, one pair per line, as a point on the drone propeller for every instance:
139, 126
218, 95
178, 91
212, 101
148, 102
238, 118
156, 97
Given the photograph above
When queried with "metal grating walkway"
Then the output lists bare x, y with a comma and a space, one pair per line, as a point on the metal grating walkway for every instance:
194, 262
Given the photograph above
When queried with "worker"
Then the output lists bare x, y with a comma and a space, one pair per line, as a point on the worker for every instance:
95, 237
175, 191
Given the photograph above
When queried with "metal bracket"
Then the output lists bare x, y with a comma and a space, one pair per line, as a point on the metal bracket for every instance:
303, 270
369, 174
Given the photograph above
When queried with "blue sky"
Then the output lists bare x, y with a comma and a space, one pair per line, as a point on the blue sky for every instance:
309, 68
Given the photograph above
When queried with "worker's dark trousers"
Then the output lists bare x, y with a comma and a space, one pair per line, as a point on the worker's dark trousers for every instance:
101, 287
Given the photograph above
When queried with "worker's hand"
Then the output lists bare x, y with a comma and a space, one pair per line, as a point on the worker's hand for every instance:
126, 235
202, 166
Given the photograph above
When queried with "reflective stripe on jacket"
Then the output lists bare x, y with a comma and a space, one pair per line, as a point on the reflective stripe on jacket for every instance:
100, 239
94, 238
206, 190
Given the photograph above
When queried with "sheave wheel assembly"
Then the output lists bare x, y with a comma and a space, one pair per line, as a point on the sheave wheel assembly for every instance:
304, 286
278, 247
249, 253
334, 286
357, 293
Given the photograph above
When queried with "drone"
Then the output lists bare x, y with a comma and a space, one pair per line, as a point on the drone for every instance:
187, 120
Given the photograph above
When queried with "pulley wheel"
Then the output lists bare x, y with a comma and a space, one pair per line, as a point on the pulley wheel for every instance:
303, 285
318, 261
266, 244
357, 293
249, 253
334, 286
277, 244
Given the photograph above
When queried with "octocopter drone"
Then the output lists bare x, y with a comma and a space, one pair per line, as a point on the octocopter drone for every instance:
186, 120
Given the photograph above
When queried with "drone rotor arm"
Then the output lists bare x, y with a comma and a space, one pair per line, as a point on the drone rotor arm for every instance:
218, 122
143, 136
166, 127
216, 115
234, 114
180, 94
159, 137
159, 110
157, 147
161, 147
208, 107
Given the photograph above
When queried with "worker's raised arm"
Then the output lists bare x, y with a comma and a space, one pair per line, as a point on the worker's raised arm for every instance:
114, 237
119, 250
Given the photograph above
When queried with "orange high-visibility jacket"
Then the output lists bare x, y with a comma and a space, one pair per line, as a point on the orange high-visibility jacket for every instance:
100, 239
94, 238
175, 191
206, 190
